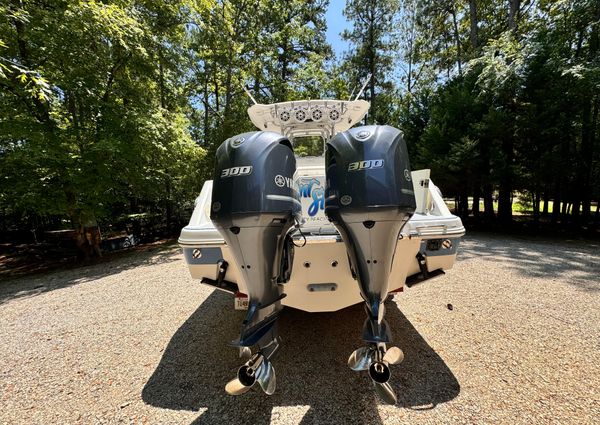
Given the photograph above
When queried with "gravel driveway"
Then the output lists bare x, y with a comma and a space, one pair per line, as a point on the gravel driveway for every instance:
137, 341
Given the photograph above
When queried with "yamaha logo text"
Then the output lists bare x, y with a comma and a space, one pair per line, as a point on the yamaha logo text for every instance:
282, 181
236, 171
365, 165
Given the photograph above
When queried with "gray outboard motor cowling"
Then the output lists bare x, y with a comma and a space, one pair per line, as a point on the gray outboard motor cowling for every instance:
369, 198
254, 205
254, 174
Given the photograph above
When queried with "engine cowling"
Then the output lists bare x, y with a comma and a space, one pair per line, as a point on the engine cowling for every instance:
369, 198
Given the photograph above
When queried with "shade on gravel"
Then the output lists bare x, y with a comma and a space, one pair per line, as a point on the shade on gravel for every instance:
137, 341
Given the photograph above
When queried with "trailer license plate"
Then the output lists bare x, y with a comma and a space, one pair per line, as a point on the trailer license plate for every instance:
241, 303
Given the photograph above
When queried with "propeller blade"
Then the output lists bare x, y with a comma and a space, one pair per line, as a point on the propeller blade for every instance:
235, 387
393, 355
385, 392
245, 353
360, 359
265, 375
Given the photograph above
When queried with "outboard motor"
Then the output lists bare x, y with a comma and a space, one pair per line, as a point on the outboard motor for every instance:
254, 206
369, 198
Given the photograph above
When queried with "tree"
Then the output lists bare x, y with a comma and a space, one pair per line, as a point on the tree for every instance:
373, 42
277, 49
91, 116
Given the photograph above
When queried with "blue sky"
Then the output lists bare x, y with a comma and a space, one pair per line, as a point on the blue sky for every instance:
336, 23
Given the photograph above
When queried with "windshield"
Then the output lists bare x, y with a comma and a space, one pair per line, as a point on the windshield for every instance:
309, 146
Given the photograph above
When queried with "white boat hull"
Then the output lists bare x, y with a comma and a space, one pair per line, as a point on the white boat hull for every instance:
321, 278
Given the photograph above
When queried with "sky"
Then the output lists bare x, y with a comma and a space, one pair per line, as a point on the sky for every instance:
336, 23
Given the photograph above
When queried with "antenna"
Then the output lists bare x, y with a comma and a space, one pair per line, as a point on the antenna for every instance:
351, 94
250, 95
362, 89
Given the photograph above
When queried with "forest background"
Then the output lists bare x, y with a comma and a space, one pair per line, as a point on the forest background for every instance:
111, 111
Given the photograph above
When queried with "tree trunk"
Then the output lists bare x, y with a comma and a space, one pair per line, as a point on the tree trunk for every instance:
514, 6
504, 204
206, 107
588, 156
565, 211
488, 202
473, 35
217, 94
536, 209
456, 40
228, 92
575, 206
411, 44
476, 203
487, 189
161, 78
556, 207
86, 232
505, 189
546, 200
464, 205
168, 207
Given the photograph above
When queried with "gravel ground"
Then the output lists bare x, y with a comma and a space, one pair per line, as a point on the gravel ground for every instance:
137, 341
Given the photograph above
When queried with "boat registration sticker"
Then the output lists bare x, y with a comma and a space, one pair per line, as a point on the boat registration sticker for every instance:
241, 302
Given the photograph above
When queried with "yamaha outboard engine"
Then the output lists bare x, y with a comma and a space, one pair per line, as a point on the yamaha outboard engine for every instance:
369, 198
254, 206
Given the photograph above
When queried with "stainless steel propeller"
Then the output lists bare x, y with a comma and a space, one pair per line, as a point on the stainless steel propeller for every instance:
265, 375
360, 359
245, 353
257, 369
376, 358
385, 392
393, 355
235, 387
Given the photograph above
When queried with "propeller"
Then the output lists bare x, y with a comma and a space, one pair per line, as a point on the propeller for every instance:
257, 369
393, 355
385, 392
377, 360
245, 353
266, 377
360, 359
235, 387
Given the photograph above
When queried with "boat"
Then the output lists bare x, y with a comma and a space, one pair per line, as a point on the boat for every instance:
319, 233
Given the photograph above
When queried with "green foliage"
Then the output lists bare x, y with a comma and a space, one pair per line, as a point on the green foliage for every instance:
308, 146
516, 101
275, 48
373, 38
115, 108
91, 118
